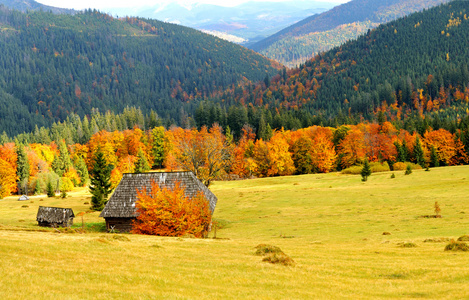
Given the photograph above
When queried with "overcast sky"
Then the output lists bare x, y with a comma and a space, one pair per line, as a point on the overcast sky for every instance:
100, 4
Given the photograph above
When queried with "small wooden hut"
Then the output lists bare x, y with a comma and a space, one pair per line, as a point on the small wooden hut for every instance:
120, 210
55, 216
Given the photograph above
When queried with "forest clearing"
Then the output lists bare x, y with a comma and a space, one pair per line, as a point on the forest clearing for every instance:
347, 238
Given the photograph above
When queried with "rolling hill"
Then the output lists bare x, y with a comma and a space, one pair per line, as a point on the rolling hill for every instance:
53, 65
318, 33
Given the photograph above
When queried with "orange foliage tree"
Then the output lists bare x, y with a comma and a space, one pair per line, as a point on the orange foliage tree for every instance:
169, 212
8, 178
352, 149
450, 151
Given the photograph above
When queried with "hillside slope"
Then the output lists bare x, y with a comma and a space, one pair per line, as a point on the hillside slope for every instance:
53, 65
319, 33
412, 71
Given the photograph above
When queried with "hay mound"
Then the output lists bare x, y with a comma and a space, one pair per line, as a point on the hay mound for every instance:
273, 255
456, 246
437, 240
279, 258
263, 249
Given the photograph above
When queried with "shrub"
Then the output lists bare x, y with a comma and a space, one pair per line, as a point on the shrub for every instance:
456, 246
379, 167
408, 170
353, 170
374, 166
169, 212
399, 166
464, 238
66, 184
393, 175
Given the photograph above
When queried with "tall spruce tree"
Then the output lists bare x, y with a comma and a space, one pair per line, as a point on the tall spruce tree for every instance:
434, 158
142, 165
157, 146
418, 153
22, 170
62, 162
100, 186
366, 170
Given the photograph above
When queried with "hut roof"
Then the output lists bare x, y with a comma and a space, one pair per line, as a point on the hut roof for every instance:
54, 214
122, 202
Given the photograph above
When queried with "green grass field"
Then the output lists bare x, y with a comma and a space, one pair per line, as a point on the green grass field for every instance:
331, 225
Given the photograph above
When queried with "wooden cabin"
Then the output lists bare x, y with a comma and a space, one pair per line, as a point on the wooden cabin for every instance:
55, 216
120, 210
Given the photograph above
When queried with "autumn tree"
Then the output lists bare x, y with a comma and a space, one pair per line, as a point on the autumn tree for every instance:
8, 179
169, 212
204, 153
301, 156
100, 186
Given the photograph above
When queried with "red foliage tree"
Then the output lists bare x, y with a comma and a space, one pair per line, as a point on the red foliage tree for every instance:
169, 212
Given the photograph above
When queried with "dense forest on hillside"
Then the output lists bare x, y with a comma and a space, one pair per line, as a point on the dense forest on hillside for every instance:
413, 72
53, 65
318, 33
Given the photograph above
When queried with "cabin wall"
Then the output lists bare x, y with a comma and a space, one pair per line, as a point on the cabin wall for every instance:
119, 224
68, 223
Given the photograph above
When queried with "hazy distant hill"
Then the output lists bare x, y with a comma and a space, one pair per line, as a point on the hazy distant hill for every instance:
297, 43
251, 21
55, 64
31, 5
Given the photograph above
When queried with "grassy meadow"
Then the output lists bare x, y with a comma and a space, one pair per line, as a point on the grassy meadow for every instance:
331, 225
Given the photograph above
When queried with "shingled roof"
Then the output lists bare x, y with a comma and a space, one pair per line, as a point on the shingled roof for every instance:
55, 215
122, 202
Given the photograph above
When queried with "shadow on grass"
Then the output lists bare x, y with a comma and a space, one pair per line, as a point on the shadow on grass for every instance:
92, 227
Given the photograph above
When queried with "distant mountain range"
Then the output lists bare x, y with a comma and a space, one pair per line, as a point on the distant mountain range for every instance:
31, 5
250, 21
318, 33
57, 64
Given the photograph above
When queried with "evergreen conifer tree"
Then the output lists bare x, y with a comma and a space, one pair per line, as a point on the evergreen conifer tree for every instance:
100, 186
366, 170
62, 163
418, 153
142, 165
82, 170
157, 148
50, 190
22, 170
434, 158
